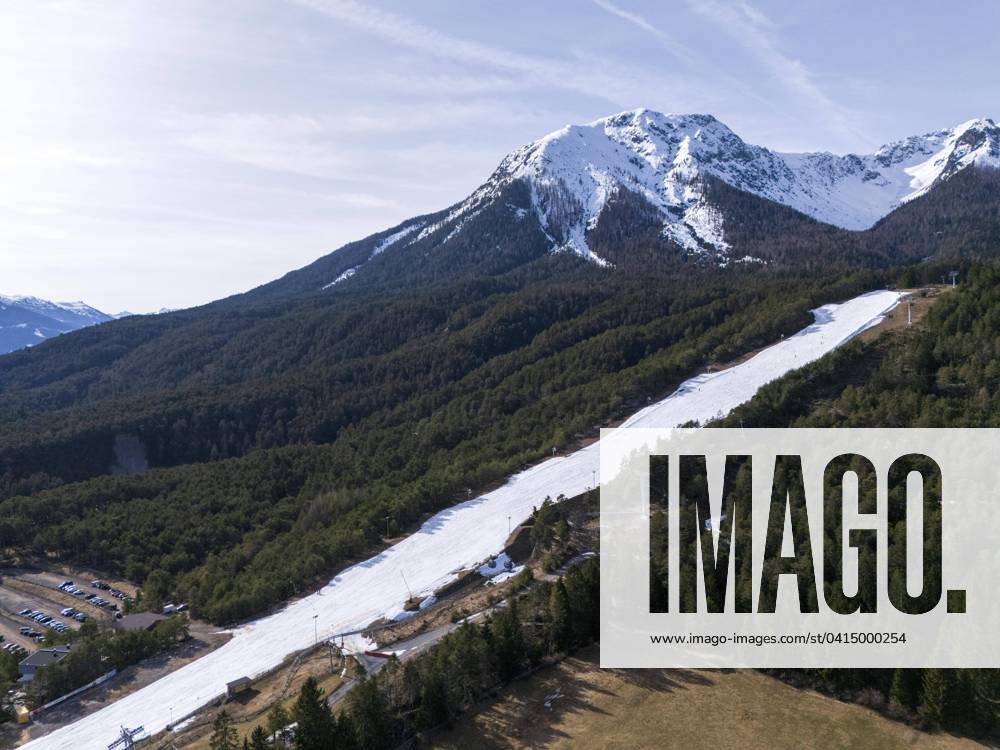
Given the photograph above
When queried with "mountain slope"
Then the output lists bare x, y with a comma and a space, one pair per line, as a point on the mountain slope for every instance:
388, 377
26, 321
458, 538
554, 194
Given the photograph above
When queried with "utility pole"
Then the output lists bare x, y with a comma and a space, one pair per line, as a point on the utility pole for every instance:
408, 592
387, 527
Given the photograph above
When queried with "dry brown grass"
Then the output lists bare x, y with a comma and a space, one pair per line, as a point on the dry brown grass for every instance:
275, 688
921, 299
676, 708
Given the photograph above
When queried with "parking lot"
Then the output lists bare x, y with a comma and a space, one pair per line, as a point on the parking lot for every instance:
35, 602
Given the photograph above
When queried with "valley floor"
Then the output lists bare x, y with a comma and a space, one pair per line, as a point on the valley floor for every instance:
578, 705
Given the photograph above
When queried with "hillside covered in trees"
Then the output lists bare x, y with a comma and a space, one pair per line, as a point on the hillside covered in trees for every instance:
283, 426
943, 373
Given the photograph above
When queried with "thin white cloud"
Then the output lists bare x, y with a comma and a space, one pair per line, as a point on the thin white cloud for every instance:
342, 146
757, 33
280, 143
624, 85
669, 41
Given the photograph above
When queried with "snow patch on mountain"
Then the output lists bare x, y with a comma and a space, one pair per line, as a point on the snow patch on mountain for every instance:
379, 248
392, 239
343, 277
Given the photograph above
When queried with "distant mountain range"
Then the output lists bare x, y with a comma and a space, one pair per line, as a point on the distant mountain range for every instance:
27, 321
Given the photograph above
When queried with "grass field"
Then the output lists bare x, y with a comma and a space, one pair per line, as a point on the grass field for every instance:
590, 708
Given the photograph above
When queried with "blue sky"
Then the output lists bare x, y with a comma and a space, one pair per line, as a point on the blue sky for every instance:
169, 153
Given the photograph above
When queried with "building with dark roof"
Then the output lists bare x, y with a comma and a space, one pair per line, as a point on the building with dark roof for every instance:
140, 621
41, 658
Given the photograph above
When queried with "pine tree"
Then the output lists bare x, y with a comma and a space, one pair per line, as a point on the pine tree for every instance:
905, 689
277, 719
508, 641
561, 620
985, 698
432, 707
938, 702
370, 716
315, 722
583, 585
224, 735
258, 739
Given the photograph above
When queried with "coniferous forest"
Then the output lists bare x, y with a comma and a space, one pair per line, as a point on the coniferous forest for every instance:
481, 381
288, 414
943, 373
280, 428
939, 374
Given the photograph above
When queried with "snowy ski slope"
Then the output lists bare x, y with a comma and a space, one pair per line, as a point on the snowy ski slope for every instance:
457, 538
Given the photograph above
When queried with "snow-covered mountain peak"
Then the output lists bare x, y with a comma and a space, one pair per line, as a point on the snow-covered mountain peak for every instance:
26, 320
574, 173
58, 310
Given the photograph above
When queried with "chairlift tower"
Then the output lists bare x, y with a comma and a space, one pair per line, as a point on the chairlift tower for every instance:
953, 275
126, 738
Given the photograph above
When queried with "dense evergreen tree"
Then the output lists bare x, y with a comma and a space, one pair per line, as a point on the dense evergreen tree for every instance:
561, 617
315, 724
258, 739
224, 736
508, 641
938, 704
906, 688
370, 721
278, 719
